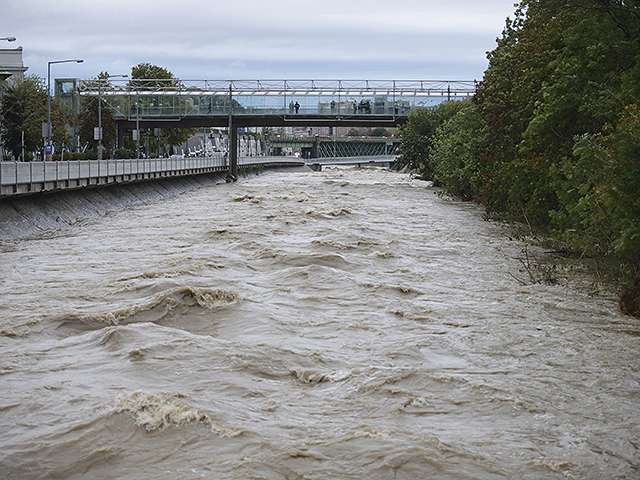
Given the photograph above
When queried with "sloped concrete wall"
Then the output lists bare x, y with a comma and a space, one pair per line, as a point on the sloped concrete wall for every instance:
22, 217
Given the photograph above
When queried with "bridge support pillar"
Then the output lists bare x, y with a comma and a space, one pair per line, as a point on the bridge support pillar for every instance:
233, 152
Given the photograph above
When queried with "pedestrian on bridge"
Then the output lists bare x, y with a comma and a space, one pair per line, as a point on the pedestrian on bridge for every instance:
297, 106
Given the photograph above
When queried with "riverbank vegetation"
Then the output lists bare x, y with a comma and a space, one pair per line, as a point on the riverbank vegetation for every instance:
552, 137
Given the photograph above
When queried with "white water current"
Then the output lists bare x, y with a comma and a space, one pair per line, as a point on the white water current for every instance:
343, 324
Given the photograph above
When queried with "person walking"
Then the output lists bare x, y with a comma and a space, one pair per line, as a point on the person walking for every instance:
297, 107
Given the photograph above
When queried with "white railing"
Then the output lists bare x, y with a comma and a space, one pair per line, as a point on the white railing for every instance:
57, 175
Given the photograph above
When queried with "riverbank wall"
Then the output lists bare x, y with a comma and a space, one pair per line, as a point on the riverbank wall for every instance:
21, 217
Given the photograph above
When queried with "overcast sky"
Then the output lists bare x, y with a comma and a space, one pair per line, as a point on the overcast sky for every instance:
259, 39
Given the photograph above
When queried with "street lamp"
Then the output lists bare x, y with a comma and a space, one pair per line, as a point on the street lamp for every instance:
9, 39
48, 127
100, 78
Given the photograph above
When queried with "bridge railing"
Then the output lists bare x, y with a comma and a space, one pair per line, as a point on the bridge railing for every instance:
19, 178
180, 98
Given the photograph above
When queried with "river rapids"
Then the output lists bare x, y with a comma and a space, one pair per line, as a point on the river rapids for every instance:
343, 324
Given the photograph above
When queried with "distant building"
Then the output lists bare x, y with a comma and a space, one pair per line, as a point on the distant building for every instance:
11, 63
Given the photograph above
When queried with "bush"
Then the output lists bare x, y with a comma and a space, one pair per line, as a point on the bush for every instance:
418, 135
455, 156
124, 153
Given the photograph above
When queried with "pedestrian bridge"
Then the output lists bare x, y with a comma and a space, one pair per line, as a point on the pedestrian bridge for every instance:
171, 103
271, 103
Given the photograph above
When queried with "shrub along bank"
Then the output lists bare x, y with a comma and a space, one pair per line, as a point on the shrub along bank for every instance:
552, 136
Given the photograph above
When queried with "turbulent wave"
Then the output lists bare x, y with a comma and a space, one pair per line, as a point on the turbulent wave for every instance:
163, 410
306, 376
167, 304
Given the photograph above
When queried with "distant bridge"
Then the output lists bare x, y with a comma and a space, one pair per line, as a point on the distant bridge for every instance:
325, 147
385, 161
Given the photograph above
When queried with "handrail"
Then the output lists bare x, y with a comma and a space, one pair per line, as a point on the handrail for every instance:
19, 178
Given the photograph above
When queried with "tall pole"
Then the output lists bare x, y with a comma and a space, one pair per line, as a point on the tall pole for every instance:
99, 120
49, 103
137, 125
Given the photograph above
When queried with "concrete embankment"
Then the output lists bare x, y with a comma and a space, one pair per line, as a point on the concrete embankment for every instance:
22, 217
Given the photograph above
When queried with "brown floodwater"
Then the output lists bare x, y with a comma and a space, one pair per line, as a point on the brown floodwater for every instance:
347, 324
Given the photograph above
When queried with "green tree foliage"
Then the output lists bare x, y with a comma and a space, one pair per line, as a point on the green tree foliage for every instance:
600, 190
24, 109
458, 151
552, 136
562, 70
418, 135
152, 77
379, 132
148, 76
88, 120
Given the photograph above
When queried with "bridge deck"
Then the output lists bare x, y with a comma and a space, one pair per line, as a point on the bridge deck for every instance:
197, 103
260, 120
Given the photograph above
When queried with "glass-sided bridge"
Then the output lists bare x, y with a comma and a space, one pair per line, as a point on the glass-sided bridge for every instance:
170, 103
207, 102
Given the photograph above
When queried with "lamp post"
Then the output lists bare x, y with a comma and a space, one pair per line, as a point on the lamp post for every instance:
9, 39
48, 125
100, 78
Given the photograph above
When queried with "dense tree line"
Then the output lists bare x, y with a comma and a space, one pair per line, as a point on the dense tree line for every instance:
23, 110
552, 136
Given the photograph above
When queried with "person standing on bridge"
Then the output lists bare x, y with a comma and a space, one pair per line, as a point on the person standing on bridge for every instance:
291, 107
297, 106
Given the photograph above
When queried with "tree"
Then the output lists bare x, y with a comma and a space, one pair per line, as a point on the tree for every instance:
558, 144
88, 120
379, 132
24, 109
457, 153
418, 134
146, 76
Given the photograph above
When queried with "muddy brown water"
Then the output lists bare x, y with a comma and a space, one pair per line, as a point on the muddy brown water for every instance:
347, 324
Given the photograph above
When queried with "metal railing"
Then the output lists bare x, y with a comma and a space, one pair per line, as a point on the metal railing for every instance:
30, 177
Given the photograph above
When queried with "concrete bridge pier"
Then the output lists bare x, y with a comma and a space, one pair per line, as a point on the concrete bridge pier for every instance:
233, 152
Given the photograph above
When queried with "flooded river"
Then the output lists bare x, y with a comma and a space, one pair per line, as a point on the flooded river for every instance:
344, 324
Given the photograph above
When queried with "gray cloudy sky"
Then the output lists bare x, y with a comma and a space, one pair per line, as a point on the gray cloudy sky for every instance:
259, 39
